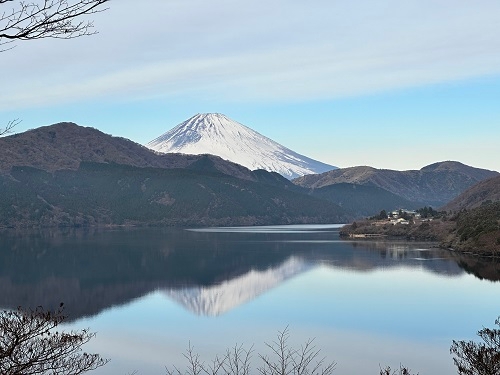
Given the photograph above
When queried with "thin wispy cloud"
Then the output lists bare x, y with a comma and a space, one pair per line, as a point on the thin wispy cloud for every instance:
258, 51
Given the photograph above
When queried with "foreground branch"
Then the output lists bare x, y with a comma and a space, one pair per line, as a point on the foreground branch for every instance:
30, 344
10, 125
479, 358
61, 19
237, 361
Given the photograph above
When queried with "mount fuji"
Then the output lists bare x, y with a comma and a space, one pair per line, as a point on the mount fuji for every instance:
216, 134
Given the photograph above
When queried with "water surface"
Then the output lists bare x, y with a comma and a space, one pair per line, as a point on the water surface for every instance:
148, 293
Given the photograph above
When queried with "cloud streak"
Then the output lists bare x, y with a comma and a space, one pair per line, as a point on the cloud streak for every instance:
256, 51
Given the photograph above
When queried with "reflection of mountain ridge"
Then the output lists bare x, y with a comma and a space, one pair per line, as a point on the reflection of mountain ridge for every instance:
93, 270
220, 298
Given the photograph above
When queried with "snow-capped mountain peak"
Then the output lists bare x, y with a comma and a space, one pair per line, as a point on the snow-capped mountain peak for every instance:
214, 133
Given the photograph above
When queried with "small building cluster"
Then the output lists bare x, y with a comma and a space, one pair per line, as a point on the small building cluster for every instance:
400, 220
400, 217
403, 216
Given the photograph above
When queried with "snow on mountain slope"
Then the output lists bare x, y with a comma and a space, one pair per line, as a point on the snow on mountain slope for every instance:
216, 134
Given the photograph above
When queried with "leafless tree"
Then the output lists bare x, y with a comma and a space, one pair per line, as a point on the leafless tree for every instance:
479, 358
237, 361
30, 344
289, 361
62, 19
401, 371
9, 127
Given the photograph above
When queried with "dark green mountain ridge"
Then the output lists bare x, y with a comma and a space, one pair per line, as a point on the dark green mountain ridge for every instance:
363, 200
114, 194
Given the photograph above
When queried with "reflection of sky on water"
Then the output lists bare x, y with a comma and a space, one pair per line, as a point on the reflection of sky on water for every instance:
359, 320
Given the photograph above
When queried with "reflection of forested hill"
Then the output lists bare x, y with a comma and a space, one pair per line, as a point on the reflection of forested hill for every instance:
93, 270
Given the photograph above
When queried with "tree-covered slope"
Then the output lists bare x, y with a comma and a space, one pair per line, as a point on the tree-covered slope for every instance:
362, 200
477, 230
113, 194
484, 191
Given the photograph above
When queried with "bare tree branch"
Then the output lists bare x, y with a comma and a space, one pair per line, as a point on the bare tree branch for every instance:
60, 19
11, 124
30, 344
288, 361
479, 358
237, 361
401, 371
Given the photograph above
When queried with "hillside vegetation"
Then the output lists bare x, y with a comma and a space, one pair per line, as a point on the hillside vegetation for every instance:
485, 191
477, 229
362, 200
69, 175
114, 194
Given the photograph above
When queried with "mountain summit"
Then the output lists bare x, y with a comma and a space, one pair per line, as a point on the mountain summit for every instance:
216, 134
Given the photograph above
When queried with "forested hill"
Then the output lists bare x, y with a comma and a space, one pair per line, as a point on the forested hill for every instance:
477, 230
477, 195
100, 194
69, 175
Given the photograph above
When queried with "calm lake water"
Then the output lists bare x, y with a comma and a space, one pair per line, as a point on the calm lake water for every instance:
149, 293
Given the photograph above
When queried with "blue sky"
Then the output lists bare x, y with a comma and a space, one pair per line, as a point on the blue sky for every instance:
390, 84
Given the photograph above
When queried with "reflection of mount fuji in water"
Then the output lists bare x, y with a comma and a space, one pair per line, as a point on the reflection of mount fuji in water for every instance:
220, 298
208, 273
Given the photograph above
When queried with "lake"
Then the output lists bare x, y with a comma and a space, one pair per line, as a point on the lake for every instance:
150, 293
